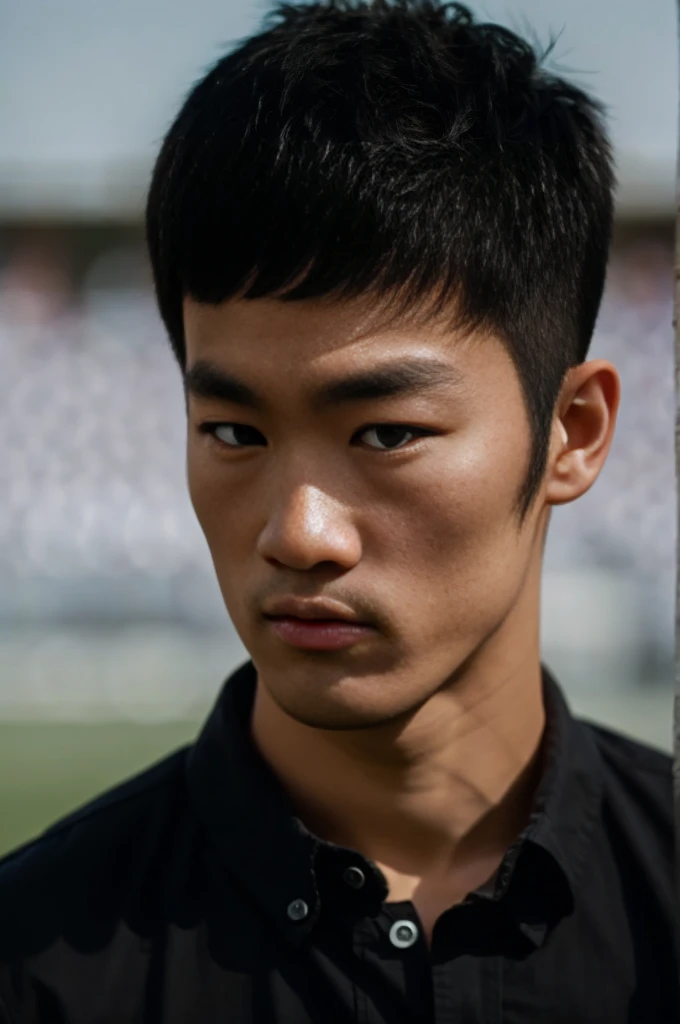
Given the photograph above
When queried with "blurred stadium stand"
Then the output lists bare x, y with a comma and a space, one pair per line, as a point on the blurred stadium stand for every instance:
108, 601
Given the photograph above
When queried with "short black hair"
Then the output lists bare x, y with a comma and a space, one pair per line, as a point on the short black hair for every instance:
400, 149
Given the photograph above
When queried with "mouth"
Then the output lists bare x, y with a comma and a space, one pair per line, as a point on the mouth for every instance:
318, 634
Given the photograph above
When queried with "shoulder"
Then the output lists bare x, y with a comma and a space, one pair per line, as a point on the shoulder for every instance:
632, 760
638, 814
79, 874
638, 794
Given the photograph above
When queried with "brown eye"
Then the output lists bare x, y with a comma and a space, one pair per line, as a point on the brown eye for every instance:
231, 435
388, 434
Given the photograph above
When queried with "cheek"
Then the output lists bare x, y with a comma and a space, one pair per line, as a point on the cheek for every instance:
221, 508
462, 501
201, 489
455, 541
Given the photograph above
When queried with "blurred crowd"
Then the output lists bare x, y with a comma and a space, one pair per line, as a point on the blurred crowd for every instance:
95, 521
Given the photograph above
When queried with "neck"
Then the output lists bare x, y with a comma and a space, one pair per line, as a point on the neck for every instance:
451, 788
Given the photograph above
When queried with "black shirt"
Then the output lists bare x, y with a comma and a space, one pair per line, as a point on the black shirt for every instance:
192, 893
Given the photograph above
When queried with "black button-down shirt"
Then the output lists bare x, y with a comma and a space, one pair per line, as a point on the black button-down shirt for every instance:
193, 893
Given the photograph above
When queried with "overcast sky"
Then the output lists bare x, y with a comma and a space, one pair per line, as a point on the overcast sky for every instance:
88, 86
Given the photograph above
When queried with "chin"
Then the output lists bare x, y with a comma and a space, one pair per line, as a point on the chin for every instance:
343, 705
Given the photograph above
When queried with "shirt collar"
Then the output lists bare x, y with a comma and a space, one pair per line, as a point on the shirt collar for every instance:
261, 842
540, 875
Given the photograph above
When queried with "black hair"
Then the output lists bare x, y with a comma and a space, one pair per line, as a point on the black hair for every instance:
400, 149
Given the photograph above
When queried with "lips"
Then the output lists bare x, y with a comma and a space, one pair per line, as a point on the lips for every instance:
319, 634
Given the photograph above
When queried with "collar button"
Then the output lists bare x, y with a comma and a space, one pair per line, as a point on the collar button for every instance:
354, 876
297, 910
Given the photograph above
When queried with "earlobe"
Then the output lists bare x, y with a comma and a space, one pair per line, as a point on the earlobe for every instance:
567, 480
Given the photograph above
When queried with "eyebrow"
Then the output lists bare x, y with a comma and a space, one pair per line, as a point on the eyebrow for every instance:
406, 377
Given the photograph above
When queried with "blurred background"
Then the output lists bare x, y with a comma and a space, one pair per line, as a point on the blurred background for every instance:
113, 637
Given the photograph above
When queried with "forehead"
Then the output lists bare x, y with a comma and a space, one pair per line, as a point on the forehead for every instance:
313, 327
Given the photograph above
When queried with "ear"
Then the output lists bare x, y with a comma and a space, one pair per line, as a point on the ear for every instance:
583, 429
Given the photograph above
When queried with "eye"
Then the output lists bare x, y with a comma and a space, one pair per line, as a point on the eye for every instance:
391, 431
225, 432
387, 433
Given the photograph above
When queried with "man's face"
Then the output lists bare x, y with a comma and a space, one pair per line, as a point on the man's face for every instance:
418, 534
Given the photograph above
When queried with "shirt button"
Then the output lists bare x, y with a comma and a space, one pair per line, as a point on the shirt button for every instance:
403, 934
354, 876
298, 910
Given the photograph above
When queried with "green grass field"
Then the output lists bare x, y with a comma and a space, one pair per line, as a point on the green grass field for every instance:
48, 769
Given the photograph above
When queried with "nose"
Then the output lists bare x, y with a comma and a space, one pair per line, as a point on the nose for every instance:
307, 527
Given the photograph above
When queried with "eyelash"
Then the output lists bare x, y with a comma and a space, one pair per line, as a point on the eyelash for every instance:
209, 429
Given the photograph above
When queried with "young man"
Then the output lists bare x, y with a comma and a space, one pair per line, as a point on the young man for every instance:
379, 235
